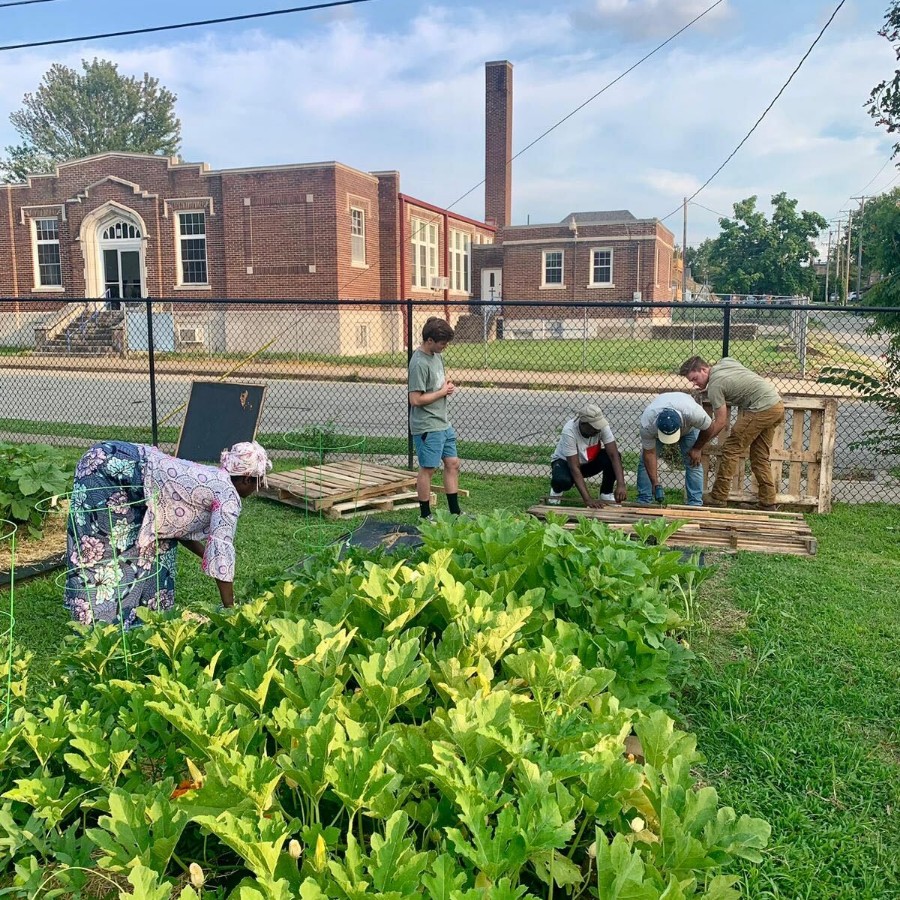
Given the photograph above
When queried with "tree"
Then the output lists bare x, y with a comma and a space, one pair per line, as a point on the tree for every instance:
76, 114
756, 255
884, 101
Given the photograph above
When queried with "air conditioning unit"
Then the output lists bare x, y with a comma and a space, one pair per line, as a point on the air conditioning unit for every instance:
439, 282
190, 335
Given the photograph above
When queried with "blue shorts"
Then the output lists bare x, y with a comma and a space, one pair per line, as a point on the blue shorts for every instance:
434, 446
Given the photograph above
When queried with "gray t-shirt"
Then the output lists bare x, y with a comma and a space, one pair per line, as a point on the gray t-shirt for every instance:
734, 384
692, 416
426, 374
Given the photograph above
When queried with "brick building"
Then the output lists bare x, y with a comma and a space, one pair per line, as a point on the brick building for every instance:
123, 226
588, 256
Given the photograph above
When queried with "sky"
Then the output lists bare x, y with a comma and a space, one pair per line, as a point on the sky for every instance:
398, 84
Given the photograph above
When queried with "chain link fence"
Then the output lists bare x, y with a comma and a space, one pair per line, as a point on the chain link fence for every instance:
87, 371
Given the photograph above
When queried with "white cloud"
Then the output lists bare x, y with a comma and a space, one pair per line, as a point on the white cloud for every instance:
640, 19
412, 99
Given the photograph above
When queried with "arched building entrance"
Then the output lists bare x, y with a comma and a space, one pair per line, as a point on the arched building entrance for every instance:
113, 239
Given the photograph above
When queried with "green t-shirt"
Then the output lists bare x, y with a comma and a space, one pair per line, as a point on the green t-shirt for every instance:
426, 374
734, 384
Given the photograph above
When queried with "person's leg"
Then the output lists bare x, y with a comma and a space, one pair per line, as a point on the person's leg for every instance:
450, 459
560, 476
608, 479
761, 453
733, 450
645, 489
693, 475
429, 455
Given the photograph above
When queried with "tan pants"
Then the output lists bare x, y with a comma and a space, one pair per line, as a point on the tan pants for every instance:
753, 430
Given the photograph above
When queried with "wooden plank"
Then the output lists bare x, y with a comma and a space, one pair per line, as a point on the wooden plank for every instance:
321, 487
796, 468
440, 489
829, 432
814, 470
406, 500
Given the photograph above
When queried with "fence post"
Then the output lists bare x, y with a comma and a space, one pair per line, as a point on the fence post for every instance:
726, 326
409, 353
151, 351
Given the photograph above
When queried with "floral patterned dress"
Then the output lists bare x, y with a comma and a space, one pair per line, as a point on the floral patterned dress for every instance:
129, 505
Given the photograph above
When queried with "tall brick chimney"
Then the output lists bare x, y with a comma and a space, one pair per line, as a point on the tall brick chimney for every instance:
498, 142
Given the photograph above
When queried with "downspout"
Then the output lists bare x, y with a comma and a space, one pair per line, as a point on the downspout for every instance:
403, 249
447, 266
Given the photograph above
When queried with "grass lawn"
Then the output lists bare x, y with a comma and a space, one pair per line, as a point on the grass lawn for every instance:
793, 696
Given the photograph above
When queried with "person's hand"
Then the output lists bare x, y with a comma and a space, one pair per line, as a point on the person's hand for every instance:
449, 388
695, 456
659, 495
594, 504
621, 494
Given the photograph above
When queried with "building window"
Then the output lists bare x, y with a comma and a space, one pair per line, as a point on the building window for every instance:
424, 241
362, 337
553, 268
192, 247
460, 257
120, 231
46, 245
601, 266
357, 236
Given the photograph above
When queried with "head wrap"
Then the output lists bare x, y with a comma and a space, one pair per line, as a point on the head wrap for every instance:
246, 458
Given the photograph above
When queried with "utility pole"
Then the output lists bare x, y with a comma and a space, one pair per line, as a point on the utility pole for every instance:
838, 237
847, 265
684, 255
827, 265
859, 243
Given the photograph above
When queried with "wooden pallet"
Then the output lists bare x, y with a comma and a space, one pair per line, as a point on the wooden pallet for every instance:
402, 500
705, 527
319, 488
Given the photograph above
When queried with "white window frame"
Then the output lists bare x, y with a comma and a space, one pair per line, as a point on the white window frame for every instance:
593, 263
553, 285
358, 237
423, 238
460, 261
180, 237
37, 242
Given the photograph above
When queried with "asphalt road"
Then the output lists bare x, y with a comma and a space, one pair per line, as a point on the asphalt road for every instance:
494, 415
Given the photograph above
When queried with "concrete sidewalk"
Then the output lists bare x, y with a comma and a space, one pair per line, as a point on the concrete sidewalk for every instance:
213, 369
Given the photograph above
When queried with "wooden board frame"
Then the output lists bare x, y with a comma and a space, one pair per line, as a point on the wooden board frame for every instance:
816, 461
223, 389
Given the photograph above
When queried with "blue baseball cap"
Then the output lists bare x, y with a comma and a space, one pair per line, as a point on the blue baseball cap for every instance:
668, 426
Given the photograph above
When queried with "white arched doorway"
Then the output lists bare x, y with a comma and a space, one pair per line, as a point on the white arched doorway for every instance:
113, 239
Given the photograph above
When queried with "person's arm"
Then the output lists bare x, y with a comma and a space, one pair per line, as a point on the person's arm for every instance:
719, 421
621, 492
424, 398
580, 485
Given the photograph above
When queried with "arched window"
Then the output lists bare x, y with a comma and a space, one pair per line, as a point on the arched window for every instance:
120, 230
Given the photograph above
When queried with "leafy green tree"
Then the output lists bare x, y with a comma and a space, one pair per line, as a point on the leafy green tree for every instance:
756, 255
884, 101
76, 114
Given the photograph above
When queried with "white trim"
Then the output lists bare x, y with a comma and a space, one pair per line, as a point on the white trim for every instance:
585, 240
463, 256
48, 289
193, 287
23, 218
171, 201
179, 270
420, 242
92, 252
591, 267
553, 285
35, 243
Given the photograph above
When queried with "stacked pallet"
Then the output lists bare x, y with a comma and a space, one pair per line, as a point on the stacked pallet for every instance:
705, 527
343, 489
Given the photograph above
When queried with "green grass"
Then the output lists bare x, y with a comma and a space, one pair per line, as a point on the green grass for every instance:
797, 708
793, 697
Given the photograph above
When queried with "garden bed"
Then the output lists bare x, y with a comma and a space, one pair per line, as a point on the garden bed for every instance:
36, 556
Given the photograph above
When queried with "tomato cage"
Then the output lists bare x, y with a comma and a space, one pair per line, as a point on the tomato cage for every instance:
107, 575
327, 486
8, 531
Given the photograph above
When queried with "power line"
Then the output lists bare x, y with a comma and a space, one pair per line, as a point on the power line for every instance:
196, 24
720, 215
765, 111
593, 97
24, 3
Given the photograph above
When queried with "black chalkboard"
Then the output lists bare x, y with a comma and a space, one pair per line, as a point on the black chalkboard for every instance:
219, 414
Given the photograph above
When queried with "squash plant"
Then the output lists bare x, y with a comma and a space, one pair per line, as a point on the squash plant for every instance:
29, 474
449, 726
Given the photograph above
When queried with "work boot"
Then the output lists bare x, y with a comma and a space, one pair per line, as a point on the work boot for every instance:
768, 507
715, 504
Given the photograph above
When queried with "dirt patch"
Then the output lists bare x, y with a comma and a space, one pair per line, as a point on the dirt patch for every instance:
30, 551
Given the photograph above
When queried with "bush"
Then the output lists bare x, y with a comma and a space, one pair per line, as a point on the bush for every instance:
451, 726
29, 474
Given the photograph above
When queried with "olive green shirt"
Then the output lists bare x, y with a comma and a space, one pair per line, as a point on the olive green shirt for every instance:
426, 374
733, 384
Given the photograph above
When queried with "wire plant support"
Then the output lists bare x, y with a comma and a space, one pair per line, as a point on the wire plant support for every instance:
8, 618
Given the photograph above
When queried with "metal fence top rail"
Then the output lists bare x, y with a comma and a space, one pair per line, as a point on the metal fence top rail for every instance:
456, 304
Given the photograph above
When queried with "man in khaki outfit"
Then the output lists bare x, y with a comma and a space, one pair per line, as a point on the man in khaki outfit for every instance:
728, 383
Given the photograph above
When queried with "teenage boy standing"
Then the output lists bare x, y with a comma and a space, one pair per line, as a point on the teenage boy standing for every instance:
433, 435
